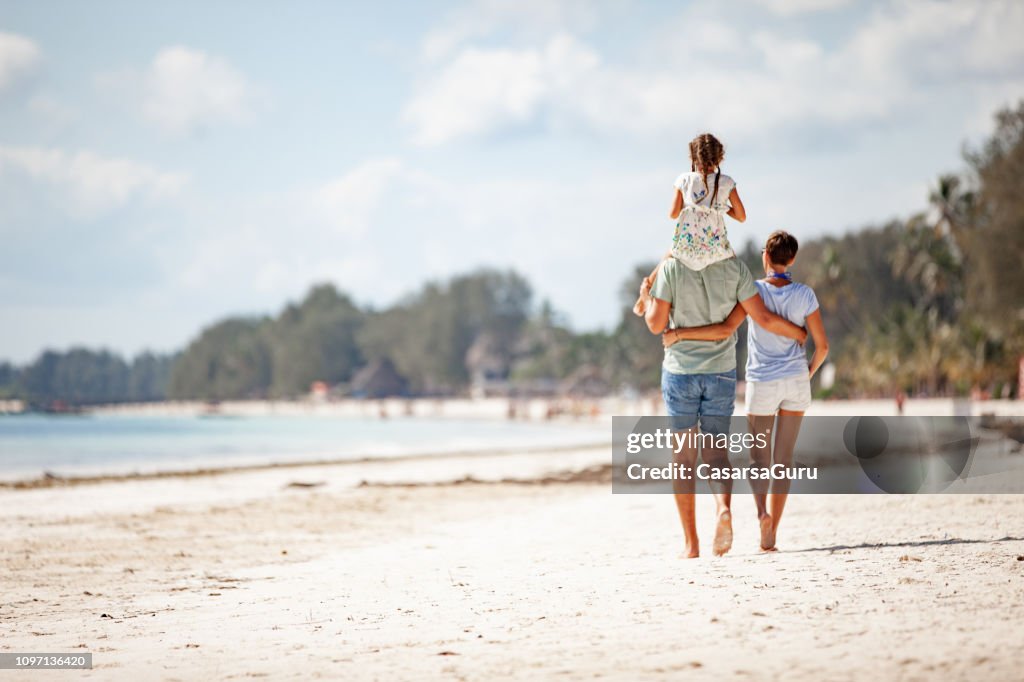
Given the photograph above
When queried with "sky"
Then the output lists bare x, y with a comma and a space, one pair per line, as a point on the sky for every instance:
164, 165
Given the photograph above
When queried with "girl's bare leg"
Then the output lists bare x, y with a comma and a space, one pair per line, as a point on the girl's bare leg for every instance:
640, 307
762, 457
786, 432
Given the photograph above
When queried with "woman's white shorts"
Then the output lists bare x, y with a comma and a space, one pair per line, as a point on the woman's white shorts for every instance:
768, 397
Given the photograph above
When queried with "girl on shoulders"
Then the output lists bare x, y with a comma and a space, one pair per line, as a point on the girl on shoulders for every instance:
702, 199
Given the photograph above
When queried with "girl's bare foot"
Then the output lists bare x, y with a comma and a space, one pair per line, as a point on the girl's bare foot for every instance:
690, 552
640, 307
767, 533
723, 533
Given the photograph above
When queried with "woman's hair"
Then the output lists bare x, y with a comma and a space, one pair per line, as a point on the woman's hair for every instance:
706, 152
781, 248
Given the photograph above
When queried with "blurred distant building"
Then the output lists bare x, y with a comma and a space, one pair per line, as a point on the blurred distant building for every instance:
11, 406
488, 365
379, 379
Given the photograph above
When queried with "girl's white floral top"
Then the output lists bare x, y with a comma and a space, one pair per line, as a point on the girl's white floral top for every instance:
700, 238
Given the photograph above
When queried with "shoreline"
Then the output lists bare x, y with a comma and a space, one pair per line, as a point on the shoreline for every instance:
566, 410
51, 480
525, 409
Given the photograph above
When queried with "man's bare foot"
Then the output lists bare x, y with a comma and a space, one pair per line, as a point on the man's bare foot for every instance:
767, 533
723, 533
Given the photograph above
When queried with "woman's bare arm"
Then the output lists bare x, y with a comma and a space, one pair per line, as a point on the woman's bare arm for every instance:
736, 210
816, 327
710, 332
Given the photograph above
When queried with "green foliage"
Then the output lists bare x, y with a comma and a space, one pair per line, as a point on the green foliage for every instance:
635, 354
231, 359
149, 376
429, 335
545, 349
9, 376
314, 341
992, 236
85, 377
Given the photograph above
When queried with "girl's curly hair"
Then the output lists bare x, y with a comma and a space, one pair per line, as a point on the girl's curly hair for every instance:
706, 154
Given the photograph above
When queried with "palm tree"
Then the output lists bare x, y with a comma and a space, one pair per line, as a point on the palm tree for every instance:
952, 203
931, 264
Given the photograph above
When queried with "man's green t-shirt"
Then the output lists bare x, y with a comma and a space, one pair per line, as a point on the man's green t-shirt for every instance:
699, 298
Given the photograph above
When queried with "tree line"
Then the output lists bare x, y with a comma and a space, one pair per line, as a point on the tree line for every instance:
930, 305
86, 377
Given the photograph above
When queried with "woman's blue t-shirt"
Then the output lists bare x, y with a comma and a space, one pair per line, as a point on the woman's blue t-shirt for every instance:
770, 356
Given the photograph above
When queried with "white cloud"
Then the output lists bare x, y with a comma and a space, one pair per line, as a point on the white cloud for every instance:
482, 90
347, 203
18, 57
187, 90
93, 183
899, 56
943, 40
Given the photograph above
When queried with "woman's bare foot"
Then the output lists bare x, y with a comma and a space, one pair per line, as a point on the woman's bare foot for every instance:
723, 533
767, 533
690, 552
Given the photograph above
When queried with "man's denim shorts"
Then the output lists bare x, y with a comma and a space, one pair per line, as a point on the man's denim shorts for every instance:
709, 398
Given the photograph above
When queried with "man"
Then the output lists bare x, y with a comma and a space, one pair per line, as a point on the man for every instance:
698, 379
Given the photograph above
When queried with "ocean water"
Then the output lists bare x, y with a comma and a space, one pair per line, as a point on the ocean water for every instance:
106, 444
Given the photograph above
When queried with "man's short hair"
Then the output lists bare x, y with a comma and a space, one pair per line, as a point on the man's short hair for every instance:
781, 247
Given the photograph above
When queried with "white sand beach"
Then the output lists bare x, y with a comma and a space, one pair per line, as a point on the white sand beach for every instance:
246, 575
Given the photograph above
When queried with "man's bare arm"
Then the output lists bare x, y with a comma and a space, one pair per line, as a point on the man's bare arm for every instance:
767, 319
